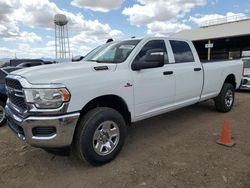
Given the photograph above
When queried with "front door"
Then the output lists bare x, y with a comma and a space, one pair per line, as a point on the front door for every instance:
154, 88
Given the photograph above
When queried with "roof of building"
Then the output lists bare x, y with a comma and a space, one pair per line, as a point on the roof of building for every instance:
230, 29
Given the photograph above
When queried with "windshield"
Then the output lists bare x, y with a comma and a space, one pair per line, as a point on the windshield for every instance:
92, 52
113, 52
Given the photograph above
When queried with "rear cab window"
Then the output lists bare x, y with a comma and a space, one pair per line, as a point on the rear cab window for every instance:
181, 51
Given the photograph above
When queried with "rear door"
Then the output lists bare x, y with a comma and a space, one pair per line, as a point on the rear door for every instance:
154, 88
188, 71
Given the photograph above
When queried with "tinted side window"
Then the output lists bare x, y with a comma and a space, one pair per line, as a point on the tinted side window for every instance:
154, 44
182, 51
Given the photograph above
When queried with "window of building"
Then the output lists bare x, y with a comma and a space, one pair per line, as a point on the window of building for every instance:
234, 54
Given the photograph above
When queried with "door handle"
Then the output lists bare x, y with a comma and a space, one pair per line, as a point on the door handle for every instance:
197, 69
168, 72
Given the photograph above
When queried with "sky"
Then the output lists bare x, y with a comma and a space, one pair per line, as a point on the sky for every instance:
27, 28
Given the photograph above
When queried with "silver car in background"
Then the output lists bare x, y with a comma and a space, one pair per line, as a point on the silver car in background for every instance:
245, 83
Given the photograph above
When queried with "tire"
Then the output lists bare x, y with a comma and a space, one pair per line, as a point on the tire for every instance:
2, 113
225, 100
100, 136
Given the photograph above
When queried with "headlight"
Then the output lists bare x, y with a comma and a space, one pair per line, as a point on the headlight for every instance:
47, 98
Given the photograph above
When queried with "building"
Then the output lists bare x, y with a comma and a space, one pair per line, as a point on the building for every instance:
221, 39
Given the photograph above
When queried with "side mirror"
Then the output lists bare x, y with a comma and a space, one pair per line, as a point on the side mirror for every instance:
77, 58
154, 58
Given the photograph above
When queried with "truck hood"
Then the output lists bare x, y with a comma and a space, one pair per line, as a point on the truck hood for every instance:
58, 73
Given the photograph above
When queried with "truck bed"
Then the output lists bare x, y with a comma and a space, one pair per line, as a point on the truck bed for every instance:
215, 72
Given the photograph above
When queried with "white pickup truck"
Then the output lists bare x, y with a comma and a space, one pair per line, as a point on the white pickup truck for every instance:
89, 104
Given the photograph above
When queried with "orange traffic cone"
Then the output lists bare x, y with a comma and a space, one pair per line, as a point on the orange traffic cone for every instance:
226, 137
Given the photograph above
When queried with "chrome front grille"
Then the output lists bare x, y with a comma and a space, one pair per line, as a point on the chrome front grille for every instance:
12, 83
15, 93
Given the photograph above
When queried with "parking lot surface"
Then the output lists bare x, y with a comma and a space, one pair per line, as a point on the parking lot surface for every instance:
177, 149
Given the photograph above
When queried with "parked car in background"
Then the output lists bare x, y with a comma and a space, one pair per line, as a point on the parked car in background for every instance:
3, 96
4, 64
245, 83
89, 104
28, 62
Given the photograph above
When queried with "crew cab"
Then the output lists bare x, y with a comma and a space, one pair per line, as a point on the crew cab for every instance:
88, 105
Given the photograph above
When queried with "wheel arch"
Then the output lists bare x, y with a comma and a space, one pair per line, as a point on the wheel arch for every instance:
111, 101
231, 80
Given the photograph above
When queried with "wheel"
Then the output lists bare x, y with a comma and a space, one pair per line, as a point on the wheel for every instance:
2, 113
100, 135
225, 100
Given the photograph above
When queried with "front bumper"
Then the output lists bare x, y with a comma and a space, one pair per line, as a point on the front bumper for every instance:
245, 83
55, 131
